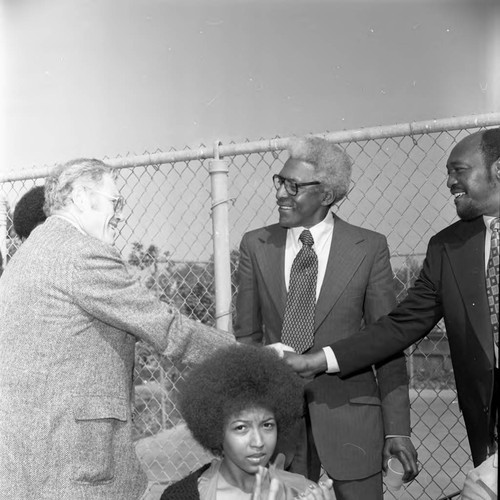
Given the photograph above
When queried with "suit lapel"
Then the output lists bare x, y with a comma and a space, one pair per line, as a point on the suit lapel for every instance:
345, 257
466, 255
271, 258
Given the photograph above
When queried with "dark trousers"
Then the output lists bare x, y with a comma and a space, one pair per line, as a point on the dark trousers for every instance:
495, 403
302, 453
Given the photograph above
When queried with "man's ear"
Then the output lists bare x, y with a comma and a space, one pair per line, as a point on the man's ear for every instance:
496, 167
79, 197
328, 197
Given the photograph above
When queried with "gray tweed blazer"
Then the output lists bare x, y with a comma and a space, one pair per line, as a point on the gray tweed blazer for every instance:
70, 314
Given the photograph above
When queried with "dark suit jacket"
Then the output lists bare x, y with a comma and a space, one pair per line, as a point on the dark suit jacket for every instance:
70, 317
348, 416
451, 284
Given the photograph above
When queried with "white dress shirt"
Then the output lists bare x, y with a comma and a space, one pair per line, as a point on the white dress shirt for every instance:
322, 235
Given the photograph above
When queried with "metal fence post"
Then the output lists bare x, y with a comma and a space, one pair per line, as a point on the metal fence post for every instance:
411, 349
218, 170
3, 228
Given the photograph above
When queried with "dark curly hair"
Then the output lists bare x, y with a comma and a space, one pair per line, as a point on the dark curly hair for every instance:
29, 212
235, 378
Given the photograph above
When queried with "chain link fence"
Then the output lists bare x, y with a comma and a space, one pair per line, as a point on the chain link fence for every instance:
177, 200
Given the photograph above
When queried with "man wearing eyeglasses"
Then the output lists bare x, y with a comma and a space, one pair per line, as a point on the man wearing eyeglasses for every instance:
354, 424
71, 315
459, 283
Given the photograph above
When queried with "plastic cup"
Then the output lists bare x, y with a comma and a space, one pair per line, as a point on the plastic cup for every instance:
394, 477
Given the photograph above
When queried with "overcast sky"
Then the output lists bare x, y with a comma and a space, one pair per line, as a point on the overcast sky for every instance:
112, 77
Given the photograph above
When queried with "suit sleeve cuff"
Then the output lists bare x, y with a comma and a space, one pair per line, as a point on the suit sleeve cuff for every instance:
331, 360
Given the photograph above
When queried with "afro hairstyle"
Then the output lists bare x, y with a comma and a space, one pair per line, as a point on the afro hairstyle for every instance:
233, 379
29, 212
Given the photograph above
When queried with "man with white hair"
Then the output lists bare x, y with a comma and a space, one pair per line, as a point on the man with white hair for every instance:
459, 282
71, 315
301, 282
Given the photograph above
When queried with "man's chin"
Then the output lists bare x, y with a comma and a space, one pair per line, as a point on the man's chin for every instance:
468, 213
465, 210
283, 222
108, 236
467, 216
111, 236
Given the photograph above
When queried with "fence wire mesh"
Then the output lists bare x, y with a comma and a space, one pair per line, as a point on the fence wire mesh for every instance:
398, 189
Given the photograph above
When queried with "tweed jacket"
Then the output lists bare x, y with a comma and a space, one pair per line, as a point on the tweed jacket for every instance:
451, 285
70, 317
349, 417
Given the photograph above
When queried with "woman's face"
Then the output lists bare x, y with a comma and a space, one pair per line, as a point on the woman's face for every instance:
249, 441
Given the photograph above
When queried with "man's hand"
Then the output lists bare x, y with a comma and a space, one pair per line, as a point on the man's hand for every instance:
307, 365
402, 448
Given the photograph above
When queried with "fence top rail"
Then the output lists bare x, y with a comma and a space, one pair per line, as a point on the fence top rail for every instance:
278, 144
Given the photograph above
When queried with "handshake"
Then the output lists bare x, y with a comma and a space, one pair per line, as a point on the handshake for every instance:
305, 365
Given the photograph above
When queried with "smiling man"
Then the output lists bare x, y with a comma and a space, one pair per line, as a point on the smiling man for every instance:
459, 282
71, 315
312, 279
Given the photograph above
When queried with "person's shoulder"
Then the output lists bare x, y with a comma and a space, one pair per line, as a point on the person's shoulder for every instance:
51, 237
58, 230
264, 232
67, 240
65, 232
459, 230
186, 488
358, 230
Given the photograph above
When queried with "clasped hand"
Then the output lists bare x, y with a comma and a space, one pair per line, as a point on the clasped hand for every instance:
321, 491
306, 365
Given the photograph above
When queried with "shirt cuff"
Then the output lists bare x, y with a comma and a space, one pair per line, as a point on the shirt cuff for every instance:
331, 360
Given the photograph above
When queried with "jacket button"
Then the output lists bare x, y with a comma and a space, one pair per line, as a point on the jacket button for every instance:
486, 409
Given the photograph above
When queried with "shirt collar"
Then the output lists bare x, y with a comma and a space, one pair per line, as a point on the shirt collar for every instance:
487, 221
70, 221
319, 232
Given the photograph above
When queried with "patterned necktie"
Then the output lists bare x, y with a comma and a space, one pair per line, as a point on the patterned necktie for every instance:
492, 279
298, 321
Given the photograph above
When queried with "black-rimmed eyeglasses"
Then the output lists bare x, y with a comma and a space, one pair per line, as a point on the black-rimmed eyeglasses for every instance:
291, 187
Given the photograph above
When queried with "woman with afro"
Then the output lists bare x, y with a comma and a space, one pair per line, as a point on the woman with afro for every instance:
235, 403
29, 213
